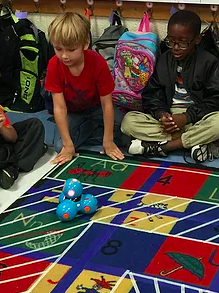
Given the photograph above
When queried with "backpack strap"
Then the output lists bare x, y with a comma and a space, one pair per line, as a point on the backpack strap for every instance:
145, 24
10, 12
116, 18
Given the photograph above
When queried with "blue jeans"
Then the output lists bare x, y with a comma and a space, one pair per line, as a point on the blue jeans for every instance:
88, 127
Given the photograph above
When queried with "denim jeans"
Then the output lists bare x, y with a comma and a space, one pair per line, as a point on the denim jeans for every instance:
88, 127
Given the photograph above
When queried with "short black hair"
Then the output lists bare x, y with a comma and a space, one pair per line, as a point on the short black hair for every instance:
188, 19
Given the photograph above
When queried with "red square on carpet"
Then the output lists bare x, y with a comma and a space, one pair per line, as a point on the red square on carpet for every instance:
180, 182
139, 176
186, 261
20, 284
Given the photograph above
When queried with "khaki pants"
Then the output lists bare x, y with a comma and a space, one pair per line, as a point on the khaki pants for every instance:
145, 127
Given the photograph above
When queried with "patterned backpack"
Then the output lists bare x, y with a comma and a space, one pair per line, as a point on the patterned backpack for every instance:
134, 63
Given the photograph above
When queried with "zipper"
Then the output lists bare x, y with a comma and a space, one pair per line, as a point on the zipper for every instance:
125, 46
138, 39
127, 93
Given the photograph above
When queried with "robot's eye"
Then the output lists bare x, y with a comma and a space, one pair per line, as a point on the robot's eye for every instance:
71, 193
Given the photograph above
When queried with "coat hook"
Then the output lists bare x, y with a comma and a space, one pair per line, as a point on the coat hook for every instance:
214, 11
37, 5
119, 3
91, 7
214, 8
149, 5
63, 5
182, 6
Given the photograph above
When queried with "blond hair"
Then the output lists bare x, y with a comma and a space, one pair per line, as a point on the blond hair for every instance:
69, 29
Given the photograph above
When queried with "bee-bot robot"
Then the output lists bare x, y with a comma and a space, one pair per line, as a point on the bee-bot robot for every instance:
72, 200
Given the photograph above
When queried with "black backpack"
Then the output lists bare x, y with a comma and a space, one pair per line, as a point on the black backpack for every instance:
23, 61
106, 44
210, 39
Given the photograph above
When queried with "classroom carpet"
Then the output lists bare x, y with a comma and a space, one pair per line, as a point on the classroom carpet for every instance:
156, 230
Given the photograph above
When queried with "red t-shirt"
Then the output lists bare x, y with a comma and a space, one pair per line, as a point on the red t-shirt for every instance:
83, 91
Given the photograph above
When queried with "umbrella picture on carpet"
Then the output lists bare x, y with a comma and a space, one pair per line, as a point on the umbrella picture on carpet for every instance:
187, 262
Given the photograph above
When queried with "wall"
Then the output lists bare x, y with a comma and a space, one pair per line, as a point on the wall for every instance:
98, 24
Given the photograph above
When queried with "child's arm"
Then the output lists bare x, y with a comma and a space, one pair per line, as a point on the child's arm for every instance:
109, 146
7, 131
60, 114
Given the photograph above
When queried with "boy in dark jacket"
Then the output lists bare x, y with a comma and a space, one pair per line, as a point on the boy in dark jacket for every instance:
21, 146
9, 169
181, 100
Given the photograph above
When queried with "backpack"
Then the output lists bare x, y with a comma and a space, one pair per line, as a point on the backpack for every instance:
210, 39
106, 44
23, 60
134, 63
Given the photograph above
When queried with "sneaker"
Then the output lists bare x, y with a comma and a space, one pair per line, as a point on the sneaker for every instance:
147, 148
202, 153
135, 147
7, 176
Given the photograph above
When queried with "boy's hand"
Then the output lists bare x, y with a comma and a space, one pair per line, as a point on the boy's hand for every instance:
66, 154
2, 119
180, 120
167, 123
111, 149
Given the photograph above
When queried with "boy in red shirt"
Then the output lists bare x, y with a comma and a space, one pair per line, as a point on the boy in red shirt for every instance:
81, 86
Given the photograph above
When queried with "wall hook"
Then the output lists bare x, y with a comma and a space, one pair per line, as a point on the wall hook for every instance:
182, 6
37, 5
214, 11
149, 5
214, 8
119, 3
63, 5
90, 8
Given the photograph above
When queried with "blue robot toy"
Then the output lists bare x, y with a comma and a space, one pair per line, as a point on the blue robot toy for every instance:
72, 200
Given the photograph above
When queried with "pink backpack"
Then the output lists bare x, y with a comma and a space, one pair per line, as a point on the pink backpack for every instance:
134, 62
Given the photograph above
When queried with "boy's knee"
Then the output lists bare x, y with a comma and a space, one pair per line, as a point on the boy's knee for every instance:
213, 123
35, 123
215, 131
127, 124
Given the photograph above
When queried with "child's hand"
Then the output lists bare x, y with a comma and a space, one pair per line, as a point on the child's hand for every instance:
111, 149
2, 119
66, 154
167, 123
180, 120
